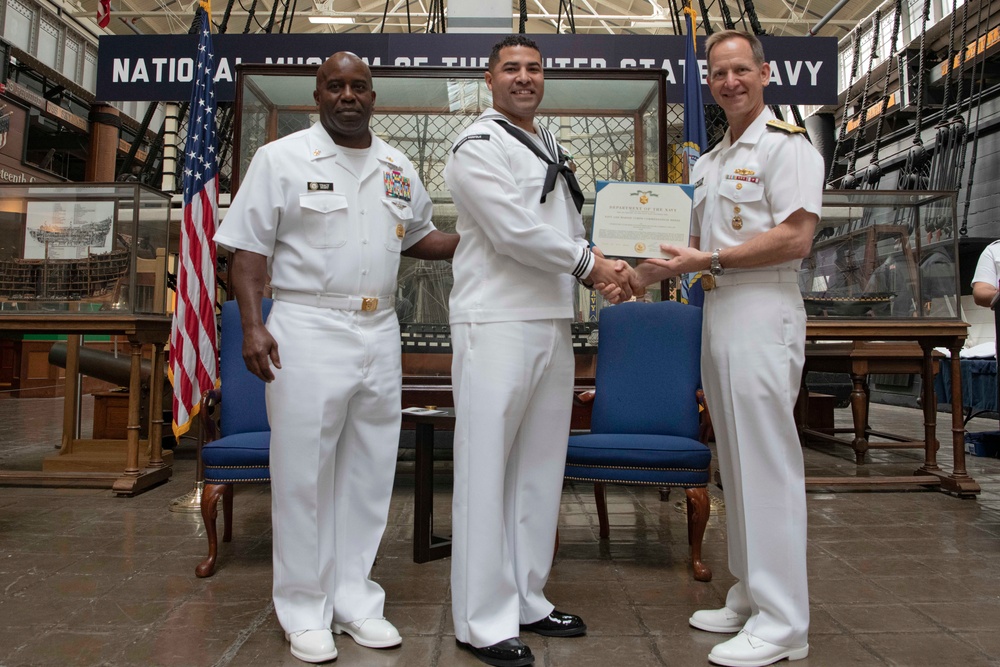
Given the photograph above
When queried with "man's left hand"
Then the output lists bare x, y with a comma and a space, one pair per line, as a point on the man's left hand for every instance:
684, 259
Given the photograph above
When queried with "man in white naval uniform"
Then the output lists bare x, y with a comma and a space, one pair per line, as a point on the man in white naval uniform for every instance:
522, 244
757, 201
984, 280
328, 211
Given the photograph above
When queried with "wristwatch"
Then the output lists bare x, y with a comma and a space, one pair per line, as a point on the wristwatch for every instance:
716, 268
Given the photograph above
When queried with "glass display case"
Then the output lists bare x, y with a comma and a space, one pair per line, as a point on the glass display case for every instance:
883, 255
613, 122
84, 248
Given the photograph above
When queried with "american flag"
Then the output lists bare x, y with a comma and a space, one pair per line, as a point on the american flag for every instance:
103, 13
193, 357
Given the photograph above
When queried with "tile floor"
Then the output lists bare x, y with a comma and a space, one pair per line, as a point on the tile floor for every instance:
896, 578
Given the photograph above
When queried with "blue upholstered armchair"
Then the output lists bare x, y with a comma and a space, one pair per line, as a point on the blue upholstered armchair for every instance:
645, 423
239, 454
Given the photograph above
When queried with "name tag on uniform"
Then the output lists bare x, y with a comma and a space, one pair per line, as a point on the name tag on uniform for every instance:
396, 185
328, 187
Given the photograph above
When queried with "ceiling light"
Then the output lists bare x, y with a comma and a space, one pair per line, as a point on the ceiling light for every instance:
339, 20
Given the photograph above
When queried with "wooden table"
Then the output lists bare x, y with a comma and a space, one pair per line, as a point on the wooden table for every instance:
880, 346
140, 330
426, 545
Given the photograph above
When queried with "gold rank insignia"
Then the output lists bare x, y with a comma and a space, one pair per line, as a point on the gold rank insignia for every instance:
785, 127
744, 172
316, 153
737, 222
640, 247
400, 231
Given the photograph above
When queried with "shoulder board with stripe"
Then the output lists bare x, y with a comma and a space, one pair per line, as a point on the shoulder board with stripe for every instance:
785, 127
471, 137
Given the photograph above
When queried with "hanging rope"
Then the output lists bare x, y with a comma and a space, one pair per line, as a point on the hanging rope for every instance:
858, 133
964, 229
950, 134
913, 175
285, 23
727, 18
570, 18
961, 60
225, 17
872, 174
704, 18
523, 16
273, 17
435, 17
385, 13
958, 126
842, 135
751, 13
250, 17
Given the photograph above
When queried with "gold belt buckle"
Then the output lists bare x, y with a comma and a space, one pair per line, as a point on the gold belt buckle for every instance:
369, 303
707, 282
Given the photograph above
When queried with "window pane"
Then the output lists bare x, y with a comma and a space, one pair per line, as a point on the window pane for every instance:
48, 42
17, 24
71, 59
90, 70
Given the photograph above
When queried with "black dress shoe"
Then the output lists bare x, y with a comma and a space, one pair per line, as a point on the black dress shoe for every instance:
508, 653
558, 624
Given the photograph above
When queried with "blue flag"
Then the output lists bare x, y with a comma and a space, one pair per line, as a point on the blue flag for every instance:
695, 137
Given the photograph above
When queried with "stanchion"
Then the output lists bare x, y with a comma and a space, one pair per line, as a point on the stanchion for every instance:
191, 501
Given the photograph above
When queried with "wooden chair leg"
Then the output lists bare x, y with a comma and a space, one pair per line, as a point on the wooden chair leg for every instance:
209, 512
698, 508
601, 496
227, 513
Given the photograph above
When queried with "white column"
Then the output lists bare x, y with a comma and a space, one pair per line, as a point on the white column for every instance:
170, 147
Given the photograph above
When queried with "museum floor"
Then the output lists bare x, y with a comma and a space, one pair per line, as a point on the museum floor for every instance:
896, 578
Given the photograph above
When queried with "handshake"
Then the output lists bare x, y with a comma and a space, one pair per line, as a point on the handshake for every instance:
614, 279
617, 281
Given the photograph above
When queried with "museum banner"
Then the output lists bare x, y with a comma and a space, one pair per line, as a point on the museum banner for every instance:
160, 67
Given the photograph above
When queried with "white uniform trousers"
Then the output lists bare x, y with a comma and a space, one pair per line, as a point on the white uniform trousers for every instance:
753, 350
513, 386
334, 409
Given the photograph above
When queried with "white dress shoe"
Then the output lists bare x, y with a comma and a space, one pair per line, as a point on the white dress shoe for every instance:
717, 620
312, 645
370, 632
745, 650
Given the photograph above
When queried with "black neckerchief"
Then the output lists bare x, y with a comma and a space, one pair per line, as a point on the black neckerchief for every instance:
554, 168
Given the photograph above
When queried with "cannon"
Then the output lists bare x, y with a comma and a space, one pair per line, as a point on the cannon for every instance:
117, 369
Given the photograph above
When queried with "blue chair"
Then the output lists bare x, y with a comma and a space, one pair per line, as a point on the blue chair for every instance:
240, 453
645, 422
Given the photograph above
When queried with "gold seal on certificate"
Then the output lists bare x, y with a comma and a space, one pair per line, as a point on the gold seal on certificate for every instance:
633, 219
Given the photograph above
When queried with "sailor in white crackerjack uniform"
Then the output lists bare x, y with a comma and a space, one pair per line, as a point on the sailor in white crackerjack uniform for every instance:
512, 373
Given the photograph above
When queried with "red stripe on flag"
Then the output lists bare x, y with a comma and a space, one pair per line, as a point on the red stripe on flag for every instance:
103, 13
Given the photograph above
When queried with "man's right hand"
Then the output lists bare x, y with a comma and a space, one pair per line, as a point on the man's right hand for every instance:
260, 351
608, 274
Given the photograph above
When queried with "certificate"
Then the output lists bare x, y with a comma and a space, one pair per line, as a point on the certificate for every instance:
633, 219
